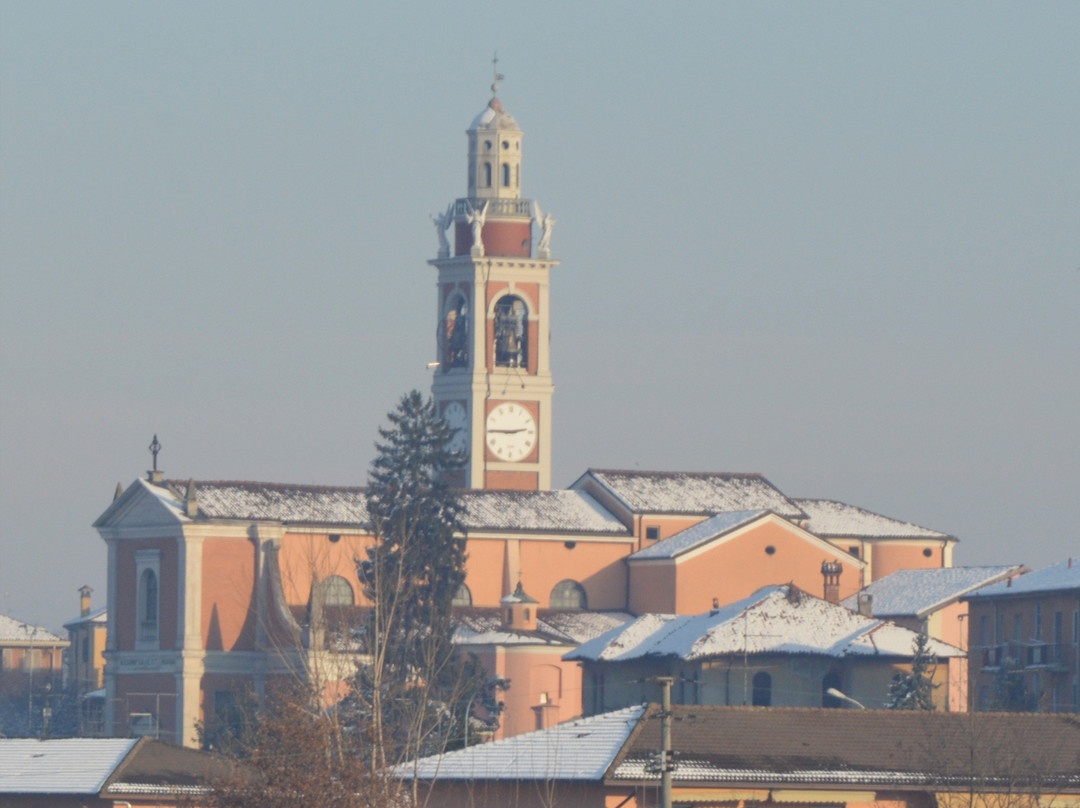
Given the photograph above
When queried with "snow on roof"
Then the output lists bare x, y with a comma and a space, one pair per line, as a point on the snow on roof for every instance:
693, 492
281, 502
916, 593
1064, 575
493, 116
582, 749
832, 519
485, 627
68, 766
774, 620
699, 534
17, 631
534, 511
100, 616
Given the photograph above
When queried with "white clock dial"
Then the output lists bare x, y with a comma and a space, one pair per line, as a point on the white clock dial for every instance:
511, 432
458, 420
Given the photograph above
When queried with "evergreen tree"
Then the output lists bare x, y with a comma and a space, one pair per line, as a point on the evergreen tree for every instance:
413, 685
1009, 688
915, 690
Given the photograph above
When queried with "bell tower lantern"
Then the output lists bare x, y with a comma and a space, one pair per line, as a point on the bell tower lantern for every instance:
493, 379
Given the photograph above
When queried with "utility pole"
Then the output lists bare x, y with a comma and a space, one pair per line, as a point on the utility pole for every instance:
666, 764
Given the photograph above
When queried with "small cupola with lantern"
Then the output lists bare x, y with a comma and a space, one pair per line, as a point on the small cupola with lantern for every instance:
519, 610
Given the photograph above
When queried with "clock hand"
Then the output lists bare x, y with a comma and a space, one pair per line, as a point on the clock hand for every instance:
507, 431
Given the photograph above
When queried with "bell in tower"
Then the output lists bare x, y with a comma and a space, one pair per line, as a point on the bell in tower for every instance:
493, 378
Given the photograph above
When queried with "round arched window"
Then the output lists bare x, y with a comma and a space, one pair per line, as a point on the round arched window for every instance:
568, 595
463, 597
337, 592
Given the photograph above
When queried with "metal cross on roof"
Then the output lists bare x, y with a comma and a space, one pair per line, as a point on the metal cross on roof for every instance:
155, 447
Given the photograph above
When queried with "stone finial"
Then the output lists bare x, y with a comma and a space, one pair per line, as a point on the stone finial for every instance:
191, 500
118, 492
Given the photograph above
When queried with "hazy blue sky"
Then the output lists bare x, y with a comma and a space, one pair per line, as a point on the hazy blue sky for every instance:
834, 243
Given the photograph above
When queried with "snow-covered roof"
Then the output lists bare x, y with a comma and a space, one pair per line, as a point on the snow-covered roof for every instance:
582, 749
832, 519
534, 511
484, 626
677, 492
17, 631
67, 766
1065, 575
539, 511
916, 593
101, 616
774, 620
699, 534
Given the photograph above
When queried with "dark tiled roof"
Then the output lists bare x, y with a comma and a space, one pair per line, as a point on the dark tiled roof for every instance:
768, 745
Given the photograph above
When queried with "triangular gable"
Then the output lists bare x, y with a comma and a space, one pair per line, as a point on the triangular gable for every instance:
143, 505
683, 550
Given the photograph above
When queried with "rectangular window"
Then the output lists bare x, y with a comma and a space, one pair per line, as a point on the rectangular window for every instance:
854, 550
1038, 621
999, 628
1059, 627
1076, 627
1018, 627
984, 630
652, 532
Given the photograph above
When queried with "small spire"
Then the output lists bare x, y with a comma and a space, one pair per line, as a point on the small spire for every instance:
119, 490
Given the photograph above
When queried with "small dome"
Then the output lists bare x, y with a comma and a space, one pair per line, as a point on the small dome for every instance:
494, 117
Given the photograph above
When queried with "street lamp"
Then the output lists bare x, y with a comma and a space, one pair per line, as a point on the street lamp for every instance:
836, 694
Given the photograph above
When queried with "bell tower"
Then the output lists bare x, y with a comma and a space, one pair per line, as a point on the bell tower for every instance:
493, 381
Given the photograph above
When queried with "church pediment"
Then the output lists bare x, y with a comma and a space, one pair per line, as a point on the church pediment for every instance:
142, 505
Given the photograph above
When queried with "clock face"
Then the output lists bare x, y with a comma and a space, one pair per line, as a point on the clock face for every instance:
511, 432
457, 419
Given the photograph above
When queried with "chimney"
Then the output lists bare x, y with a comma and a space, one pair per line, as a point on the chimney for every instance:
831, 570
84, 600
866, 604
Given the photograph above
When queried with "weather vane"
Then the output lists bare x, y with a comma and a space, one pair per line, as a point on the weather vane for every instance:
155, 447
495, 71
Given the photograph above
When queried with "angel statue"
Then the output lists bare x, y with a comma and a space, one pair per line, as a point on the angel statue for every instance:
546, 222
442, 224
476, 219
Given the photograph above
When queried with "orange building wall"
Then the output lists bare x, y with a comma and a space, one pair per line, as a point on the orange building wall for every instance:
599, 567
886, 559
484, 570
669, 526
533, 671
737, 567
228, 594
652, 588
309, 557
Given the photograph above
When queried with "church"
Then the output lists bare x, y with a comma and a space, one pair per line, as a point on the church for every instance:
212, 585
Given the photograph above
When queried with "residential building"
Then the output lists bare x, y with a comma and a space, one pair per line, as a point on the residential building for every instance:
931, 601
31, 675
1024, 637
778, 648
86, 657
768, 758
